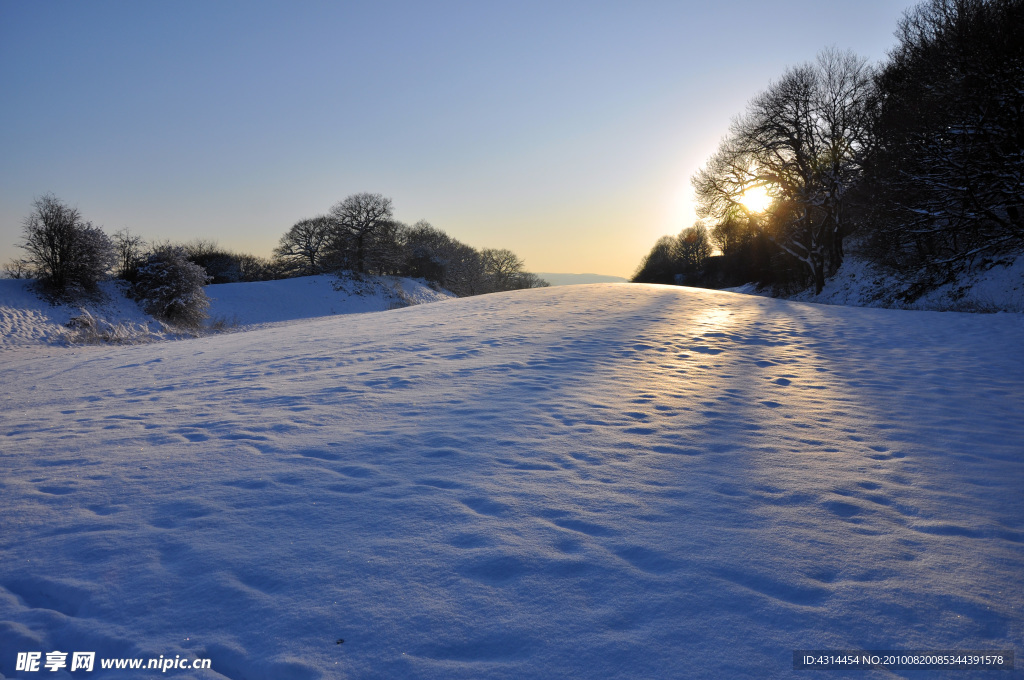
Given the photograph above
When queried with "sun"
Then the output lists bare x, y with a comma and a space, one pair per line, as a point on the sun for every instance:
756, 199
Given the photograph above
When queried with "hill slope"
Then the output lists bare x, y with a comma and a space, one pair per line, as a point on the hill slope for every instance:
26, 319
595, 481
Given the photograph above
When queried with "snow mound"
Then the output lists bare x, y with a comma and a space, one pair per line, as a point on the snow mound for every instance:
598, 481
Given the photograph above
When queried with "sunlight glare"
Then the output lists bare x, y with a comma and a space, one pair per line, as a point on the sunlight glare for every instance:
756, 199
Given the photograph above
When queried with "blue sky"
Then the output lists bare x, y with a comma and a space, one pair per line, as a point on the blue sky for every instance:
566, 131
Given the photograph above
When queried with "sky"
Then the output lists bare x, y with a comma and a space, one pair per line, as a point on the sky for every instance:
565, 131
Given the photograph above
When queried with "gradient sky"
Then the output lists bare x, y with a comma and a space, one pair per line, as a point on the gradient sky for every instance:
566, 131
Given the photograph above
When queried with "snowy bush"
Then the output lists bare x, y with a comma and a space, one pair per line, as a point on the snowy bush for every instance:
171, 288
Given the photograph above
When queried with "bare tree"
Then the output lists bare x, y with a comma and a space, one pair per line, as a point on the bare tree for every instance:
221, 264
720, 185
502, 267
364, 230
677, 259
437, 257
65, 252
304, 248
18, 269
253, 268
803, 141
130, 251
530, 280
692, 249
659, 265
731, 234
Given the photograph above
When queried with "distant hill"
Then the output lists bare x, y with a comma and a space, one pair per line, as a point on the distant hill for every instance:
572, 279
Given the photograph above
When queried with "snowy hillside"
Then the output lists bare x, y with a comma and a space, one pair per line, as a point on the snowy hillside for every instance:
306, 297
860, 283
599, 481
26, 319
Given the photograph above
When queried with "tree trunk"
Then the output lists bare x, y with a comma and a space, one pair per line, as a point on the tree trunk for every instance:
819, 278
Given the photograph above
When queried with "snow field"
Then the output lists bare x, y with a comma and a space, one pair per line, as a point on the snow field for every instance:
602, 481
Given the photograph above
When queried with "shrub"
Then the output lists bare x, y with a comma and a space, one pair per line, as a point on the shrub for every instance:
171, 288
86, 329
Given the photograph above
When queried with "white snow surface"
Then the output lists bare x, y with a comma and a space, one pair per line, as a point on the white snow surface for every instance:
28, 319
602, 481
307, 297
861, 283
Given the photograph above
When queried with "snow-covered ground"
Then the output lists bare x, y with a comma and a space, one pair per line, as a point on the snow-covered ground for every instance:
605, 481
314, 296
860, 283
26, 319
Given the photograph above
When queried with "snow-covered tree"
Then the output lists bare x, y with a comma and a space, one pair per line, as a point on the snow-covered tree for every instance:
170, 287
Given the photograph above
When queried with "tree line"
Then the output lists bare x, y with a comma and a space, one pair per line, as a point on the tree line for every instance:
68, 256
361, 235
917, 163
